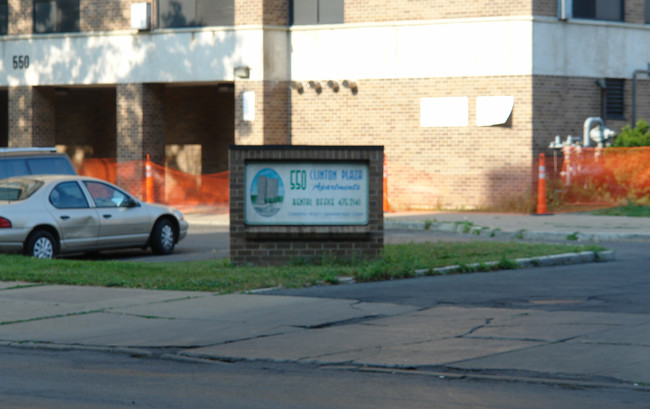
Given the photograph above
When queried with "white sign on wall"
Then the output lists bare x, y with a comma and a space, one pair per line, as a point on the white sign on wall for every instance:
444, 112
248, 105
306, 193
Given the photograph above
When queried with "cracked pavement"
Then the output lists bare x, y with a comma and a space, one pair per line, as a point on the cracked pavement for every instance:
575, 346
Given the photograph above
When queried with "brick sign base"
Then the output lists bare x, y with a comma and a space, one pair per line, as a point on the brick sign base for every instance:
283, 244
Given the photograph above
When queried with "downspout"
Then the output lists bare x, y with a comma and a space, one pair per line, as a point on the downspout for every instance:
564, 9
587, 127
636, 72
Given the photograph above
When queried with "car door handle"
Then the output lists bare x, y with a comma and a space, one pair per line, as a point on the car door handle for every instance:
107, 216
65, 217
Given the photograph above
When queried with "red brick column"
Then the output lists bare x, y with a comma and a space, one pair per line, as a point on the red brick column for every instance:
21, 17
31, 117
267, 12
140, 131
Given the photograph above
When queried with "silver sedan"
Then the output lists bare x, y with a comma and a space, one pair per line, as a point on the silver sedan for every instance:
44, 216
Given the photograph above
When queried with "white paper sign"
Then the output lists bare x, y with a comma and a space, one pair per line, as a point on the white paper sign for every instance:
444, 112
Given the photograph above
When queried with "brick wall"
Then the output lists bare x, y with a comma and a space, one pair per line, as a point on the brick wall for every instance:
20, 117
20, 16
271, 124
274, 245
31, 120
428, 168
257, 12
562, 104
85, 122
43, 120
635, 11
201, 115
105, 15
363, 11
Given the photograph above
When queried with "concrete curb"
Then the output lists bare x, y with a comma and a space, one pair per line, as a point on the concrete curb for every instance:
542, 261
523, 234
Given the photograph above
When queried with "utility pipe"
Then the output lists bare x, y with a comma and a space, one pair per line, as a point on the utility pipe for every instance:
586, 127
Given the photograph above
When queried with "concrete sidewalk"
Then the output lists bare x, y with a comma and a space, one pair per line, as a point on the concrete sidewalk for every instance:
562, 226
566, 347
560, 347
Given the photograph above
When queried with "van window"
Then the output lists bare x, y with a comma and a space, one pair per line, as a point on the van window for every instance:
13, 167
50, 166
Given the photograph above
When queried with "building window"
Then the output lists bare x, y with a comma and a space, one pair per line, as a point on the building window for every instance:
4, 18
598, 9
614, 101
316, 12
195, 13
56, 16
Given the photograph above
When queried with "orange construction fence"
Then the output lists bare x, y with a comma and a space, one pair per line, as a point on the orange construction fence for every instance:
605, 175
151, 182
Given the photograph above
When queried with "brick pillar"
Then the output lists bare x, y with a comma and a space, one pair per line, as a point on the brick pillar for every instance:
140, 131
267, 12
271, 88
31, 117
21, 14
271, 123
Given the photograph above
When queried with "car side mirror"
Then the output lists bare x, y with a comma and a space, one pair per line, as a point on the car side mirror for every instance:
130, 202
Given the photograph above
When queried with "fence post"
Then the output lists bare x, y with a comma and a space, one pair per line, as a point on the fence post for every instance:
148, 181
386, 205
541, 185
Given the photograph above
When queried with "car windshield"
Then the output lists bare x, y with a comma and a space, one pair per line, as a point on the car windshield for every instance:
18, 189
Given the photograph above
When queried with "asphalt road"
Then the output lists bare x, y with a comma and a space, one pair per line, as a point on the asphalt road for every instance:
620, 286
62, 378
90, 380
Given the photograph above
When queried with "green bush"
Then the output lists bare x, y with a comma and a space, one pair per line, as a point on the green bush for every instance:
630, 137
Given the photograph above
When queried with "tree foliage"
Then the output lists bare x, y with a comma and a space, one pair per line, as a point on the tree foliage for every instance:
637, 136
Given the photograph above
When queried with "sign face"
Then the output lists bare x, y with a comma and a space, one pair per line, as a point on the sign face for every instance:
306, 193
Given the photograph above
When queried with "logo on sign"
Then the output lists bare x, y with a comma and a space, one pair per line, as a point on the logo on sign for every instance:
267, 193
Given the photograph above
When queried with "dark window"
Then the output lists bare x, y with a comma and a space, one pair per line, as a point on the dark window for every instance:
647, 11
614, 99
4, 18
56, 16
316, 11
68, 195
598, 9
195, 13
13, 167
50, 166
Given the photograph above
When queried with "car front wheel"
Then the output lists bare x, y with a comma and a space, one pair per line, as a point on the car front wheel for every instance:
163, 237
41, 244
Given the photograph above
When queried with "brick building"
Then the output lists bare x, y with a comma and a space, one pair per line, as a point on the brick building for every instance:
463, 94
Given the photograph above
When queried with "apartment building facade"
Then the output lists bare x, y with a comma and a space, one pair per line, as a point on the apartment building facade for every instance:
463, 95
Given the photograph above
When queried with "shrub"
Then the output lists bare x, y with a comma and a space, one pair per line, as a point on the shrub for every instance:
631, 137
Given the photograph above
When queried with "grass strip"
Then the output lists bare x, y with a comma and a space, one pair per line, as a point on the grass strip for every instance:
396, 261
630, 210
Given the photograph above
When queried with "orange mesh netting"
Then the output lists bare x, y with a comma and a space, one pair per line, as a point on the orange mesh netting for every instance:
605, 175
167, 185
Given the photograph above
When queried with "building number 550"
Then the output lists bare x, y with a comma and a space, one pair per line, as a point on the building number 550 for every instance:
20, 62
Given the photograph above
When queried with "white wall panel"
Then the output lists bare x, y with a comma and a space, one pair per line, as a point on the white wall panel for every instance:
471, 48
590, 49
182, 56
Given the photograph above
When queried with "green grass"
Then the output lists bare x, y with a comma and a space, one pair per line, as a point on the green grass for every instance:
631, 210
397, 261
